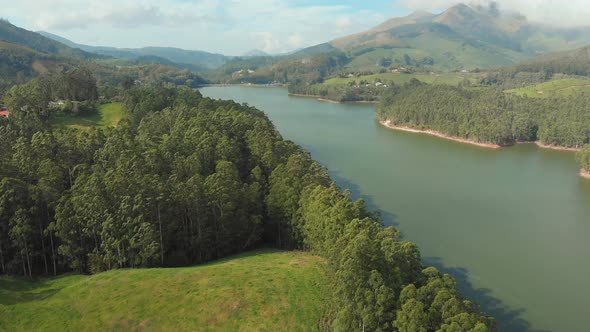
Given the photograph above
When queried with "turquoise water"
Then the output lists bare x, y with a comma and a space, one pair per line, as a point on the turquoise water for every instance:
512, 225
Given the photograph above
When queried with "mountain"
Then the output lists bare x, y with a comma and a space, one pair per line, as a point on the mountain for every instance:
255, 52
572, 62
19, 63
460, 37
196, 59
39, 43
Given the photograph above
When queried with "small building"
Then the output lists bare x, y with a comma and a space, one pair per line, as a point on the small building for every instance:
4, 112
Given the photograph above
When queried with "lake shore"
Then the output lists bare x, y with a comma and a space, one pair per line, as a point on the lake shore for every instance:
555, 147
390, 125
585, 174
326, 100
222, 85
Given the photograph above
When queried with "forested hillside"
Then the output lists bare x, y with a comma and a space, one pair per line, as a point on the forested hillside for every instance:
188, 58
584, 160
486, 115
13, 34
489, 116
185, 180
25, 55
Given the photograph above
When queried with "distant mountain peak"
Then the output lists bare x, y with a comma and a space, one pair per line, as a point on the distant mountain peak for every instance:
255, 52
420, 14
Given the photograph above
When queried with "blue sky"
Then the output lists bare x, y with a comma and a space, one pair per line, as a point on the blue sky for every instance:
228, 26
234, 27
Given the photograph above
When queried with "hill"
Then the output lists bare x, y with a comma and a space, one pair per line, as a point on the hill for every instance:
572, 62
37, 42
262, 290
460, 37
201, 60
565, 87
19, 64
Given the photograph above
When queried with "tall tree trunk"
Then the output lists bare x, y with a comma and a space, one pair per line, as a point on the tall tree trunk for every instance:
43, 247
53, 260
53, 253
22, 259
28, 260
2, 256
161, 238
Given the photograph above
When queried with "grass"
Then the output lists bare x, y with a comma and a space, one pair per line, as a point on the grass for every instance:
436, 78
263, 290
555, 88
108, 115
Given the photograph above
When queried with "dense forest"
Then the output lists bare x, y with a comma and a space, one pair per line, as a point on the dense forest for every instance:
185, 180
264, 70
354, 92
489, 115
584, 159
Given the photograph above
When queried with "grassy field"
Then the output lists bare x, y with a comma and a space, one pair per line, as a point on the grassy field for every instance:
436, 78
555, 88
108, 115
263, 291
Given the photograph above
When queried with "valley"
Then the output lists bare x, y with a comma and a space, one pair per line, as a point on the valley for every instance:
366, 166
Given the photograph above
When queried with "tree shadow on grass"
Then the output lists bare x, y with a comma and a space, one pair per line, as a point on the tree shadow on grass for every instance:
16, 290
508, 319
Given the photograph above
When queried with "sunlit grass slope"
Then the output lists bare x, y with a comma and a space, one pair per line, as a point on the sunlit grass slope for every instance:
435, 78
108, 115
262, 291
554, 88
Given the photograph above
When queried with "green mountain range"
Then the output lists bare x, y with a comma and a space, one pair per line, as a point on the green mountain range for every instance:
460, 37
194, 60
35, 41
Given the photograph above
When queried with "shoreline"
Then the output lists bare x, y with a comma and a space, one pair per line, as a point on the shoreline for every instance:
331, 101
221, 85
388, 124
555, 147
585, 174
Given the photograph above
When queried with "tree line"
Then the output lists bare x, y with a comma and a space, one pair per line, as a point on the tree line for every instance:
488, 115
184, 180
583, 158
353, 92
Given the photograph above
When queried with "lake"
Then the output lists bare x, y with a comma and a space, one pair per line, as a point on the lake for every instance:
511, 225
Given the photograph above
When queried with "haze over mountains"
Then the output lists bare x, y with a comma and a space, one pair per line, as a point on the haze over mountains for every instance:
462, 37
200, 60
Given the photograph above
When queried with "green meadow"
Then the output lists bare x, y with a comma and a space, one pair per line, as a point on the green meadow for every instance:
555, 88
108, 115
264, 290
400, 78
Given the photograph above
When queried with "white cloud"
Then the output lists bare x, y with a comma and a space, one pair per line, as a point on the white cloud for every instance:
558, 13
226, 26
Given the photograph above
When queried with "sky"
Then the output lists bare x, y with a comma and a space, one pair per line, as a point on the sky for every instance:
234, 27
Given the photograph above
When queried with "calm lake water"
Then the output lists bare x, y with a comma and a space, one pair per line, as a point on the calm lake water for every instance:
512, 225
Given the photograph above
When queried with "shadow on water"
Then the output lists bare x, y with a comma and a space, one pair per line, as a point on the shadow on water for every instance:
389, 219
508, 319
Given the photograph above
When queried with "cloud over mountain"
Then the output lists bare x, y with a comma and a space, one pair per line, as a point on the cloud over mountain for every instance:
557, 13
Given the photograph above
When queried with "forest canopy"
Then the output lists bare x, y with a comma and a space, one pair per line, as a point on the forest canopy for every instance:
488, 115
185, 179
